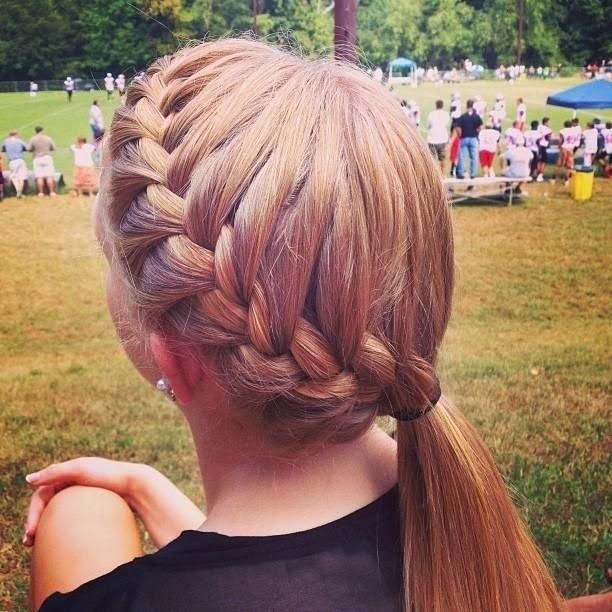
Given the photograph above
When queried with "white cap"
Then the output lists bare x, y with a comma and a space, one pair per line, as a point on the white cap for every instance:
122, 75
499, 97
108, 74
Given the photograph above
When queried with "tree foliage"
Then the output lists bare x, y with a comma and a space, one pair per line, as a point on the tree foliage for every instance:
52, 38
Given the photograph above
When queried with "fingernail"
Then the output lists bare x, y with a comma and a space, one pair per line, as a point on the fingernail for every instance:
24, 540
32, 477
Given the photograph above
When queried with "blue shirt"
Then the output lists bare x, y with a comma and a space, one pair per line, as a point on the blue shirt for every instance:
14, 148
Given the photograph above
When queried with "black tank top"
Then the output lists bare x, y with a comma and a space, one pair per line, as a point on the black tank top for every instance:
351, 564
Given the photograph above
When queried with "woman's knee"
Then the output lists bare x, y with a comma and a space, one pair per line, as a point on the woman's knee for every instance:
88, 504
84, 532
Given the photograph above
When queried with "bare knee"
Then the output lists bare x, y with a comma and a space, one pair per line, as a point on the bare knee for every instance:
88, 503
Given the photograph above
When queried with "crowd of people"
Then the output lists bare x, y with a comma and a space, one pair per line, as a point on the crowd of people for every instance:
472, 137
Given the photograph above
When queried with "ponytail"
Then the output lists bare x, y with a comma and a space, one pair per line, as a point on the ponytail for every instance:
465, 548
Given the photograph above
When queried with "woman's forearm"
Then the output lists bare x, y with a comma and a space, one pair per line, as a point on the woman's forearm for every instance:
164, 510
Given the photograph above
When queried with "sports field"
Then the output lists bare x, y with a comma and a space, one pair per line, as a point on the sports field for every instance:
527, 355
65, 122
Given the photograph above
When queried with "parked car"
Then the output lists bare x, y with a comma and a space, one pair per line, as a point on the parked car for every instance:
84, 84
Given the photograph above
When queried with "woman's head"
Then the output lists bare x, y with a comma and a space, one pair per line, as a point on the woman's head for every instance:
282, 216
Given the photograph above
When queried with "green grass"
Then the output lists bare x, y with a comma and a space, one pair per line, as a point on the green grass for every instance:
527, 357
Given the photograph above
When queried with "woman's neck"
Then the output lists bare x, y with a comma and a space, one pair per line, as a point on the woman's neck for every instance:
250, 490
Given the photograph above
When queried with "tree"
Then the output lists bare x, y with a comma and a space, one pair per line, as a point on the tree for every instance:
387, 29
449, 27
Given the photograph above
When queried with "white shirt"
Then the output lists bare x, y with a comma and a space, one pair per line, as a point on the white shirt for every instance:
69, 85
519, 158
521, 112
455, 109
96, 117
607, 136
513, 137
415, 115
120, 82
109, 83
438, 123
480, 106
531, 139
545, 133
590, 140
83, 155
500, 108
571, 137
488, 140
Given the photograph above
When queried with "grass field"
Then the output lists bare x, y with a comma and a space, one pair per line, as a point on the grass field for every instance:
527, 357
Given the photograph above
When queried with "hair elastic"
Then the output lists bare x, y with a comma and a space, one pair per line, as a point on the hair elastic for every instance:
404, 415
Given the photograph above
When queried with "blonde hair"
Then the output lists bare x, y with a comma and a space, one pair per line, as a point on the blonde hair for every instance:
284, 215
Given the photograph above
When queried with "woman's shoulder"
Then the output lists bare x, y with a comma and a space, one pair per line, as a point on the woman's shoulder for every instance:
223, 572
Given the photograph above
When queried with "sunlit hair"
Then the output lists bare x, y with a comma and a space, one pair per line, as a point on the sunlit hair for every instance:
283, 215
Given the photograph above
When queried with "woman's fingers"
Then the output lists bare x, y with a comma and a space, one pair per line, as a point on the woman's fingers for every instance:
57, 472
40, 499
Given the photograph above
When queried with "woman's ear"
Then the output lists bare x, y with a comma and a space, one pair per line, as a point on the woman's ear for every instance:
180, 368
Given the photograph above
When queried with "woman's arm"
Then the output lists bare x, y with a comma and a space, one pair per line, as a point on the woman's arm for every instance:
162, 507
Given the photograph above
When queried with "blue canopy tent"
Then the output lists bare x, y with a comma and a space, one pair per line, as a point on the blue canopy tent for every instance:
402, 70
593, 94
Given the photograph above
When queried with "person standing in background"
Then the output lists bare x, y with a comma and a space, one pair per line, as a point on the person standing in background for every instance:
41, 147
606, 158
513, 136
109, 85
96, 120
521, 114
488, 140
590, 144
69, 88
545, 134
438, 122
455, 108
532, 137
468, 126
120, 82
84, 174
14, 148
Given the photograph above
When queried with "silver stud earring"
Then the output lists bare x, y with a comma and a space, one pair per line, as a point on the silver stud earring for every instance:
164, 387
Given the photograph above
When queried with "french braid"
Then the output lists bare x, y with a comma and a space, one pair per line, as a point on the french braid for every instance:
247, 222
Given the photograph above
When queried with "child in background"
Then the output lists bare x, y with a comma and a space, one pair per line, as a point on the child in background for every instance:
84, 175
545, 134
488, 139
569, 141
606, 159
513, 136
590, 144
453, 152
532, 137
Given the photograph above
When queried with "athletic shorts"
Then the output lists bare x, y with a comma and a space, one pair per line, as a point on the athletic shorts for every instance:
543, 154
486, 158
438, 151
18, 170
43, 167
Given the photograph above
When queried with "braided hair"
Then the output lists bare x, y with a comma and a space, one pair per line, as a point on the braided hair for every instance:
247, 223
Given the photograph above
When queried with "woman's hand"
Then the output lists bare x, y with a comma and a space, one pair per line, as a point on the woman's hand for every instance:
163, 508
116, 476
